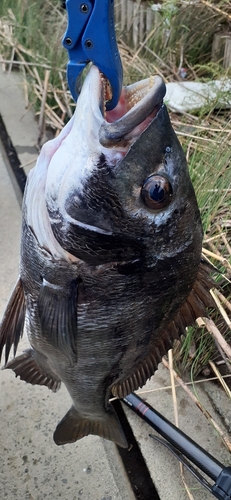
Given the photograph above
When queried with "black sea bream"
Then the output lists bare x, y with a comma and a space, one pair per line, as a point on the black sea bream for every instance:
111, 267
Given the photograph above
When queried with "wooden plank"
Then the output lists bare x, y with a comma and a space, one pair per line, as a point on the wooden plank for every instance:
117, 13
136, 20
218, 47
130, 6
142, 23
149, 17
227, 53
123, 14
221, 49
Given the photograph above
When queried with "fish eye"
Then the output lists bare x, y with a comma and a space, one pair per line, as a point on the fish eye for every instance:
156, 192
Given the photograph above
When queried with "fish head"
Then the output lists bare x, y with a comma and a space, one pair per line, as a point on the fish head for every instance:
117, 186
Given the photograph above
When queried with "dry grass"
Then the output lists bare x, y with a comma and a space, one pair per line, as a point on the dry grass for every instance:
205, 137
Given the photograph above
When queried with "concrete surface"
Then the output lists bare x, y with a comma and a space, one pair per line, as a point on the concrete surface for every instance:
19, 120
32, 466
164, 468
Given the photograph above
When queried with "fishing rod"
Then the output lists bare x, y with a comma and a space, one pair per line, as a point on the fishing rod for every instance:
185, 449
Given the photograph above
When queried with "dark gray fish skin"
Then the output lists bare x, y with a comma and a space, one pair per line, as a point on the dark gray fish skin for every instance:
92, 320
108, 201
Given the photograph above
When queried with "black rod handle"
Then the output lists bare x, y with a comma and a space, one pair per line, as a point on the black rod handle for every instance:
175, 436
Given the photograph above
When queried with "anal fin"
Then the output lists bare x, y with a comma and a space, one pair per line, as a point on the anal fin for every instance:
27, 368
11, 328
73, 427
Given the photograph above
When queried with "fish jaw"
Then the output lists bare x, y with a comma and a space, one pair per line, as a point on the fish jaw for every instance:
92, 180
103, 218
34, 209
68, 161
96, 134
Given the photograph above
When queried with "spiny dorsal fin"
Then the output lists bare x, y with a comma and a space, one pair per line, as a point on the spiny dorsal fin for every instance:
11, 328
196, 304
73, 427
27, 368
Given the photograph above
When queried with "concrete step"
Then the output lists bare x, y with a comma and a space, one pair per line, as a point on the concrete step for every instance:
33, 468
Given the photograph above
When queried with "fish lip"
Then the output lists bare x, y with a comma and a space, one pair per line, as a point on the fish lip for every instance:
121, 130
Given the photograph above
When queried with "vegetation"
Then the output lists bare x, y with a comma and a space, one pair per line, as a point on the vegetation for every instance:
30, 41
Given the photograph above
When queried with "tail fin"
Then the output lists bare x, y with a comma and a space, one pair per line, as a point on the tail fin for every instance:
73, 427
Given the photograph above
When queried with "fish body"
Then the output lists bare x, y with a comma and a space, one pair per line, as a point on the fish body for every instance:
110, 268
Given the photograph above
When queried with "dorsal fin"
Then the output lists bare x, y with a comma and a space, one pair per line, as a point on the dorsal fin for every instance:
11, 328
198, 300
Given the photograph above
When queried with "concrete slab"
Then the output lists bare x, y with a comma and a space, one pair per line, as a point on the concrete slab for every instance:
163, 467
19, 120
32, 466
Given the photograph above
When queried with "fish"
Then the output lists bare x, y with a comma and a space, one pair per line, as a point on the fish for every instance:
110, 263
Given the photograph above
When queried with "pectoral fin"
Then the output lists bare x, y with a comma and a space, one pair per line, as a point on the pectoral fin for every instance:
73, 427
57, 307
29, 369
11, 328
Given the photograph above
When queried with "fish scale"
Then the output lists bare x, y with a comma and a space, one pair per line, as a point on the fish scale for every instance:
111, 269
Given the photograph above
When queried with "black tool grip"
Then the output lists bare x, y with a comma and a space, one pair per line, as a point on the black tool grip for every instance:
177, 438
222, 487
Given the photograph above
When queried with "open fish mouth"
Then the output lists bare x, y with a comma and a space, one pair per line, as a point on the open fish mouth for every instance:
139, 103
69, 162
